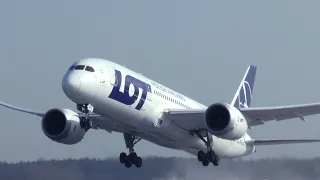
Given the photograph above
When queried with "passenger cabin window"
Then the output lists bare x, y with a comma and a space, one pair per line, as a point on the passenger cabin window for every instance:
79, 67
89, 68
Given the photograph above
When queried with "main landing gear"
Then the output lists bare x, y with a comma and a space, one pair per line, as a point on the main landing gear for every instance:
85, 121
132, 157
210, 156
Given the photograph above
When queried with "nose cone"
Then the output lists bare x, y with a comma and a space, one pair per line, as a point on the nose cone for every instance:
71, 84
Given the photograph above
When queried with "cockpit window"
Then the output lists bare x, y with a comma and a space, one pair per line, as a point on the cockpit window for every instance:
79, 67
89, 68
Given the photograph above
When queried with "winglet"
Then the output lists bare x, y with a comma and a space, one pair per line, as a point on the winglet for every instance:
243, 96
300, 116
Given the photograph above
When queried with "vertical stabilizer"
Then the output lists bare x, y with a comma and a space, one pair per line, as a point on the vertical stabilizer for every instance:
243, 96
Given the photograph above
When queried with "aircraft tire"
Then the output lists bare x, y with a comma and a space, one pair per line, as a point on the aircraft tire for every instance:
132, 157
123, 157
205, 162
201, 156
216, 161
128, 164
138, 162
211, 156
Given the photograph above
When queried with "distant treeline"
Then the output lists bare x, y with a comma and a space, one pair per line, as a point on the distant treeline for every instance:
162, 168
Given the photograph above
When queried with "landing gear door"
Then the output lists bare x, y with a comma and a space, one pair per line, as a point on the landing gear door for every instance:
112, 75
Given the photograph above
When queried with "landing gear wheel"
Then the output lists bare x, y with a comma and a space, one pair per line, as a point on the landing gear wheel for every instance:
127, 164
138, 162
205, 162
211, 156
201, 156
133, 157
216, 162
123, 157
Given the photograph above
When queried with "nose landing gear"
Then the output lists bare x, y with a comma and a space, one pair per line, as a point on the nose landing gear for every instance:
85, 121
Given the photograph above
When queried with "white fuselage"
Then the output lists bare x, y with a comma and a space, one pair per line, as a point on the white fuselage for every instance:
137, 106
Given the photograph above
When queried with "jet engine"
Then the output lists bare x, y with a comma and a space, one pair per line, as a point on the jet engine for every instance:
225, 121
62, 126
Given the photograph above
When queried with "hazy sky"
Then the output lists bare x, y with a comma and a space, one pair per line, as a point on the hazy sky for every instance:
199, 48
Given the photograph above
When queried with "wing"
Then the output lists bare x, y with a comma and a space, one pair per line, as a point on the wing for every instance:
194, 119
34, 112
257, 116
257, 142
37, 113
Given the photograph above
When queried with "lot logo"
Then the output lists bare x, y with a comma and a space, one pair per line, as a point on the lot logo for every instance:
245, 95
124, 97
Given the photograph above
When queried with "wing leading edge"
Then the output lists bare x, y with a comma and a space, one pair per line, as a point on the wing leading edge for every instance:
29, 111
34, 112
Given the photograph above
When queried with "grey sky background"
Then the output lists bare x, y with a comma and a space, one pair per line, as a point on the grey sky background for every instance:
199, 48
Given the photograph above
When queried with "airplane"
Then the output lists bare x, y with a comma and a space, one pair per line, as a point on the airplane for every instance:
111, 97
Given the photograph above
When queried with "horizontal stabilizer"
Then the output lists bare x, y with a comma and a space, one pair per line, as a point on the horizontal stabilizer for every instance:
277, 142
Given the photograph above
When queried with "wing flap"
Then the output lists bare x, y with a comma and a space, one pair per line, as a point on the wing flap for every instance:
186, 119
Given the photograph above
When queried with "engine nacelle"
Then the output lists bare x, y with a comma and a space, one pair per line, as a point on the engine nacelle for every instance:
225, 121
62, 126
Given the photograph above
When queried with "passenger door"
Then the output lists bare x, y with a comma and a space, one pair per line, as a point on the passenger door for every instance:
103, 77
107, 76
112, 75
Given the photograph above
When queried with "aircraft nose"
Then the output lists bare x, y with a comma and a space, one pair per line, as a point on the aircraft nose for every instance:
71, 84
